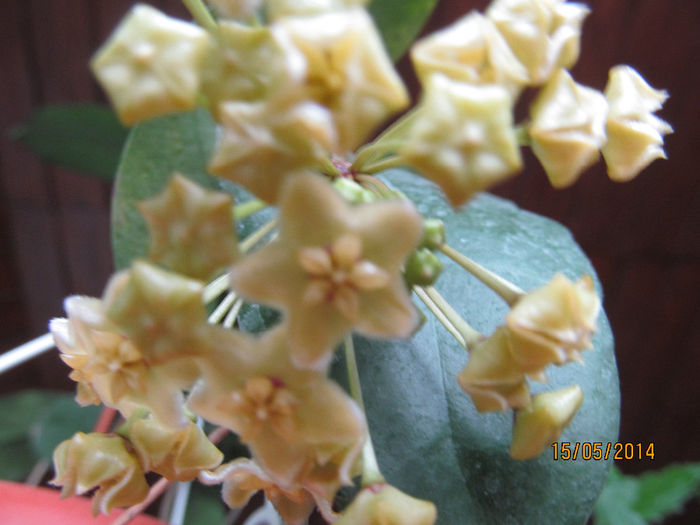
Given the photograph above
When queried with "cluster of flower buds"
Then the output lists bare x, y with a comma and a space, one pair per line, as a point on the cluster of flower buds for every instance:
294, 100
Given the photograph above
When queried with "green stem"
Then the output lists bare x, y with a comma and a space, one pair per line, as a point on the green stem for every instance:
370, 467
246, 209
377, 186
201, 14
428, 302
223, 307
522, 134
509, 292
390, 162
215, 288
255, 237
471, 337
366, 154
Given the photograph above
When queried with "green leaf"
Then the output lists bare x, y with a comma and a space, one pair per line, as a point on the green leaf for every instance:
616, 502
431, 441
20, 411
63, 418
83, 137
204, 506
665, 492
400, 24
16, 460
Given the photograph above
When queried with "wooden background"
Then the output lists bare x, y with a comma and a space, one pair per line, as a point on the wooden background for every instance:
643, 237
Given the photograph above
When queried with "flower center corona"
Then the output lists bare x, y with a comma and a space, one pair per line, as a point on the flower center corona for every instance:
262, 401
338, 273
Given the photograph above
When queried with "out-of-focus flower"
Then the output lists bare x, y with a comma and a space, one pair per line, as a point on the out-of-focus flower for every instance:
241, 9
492, 377
635, 136
191, 229
543, 34
464, 139
151, 64
263, 144
335, 267
242, 478
552, 324
538, 426
470, 50
96, 460
348, 71
160, 311
279, 8
568, 128
386, 505
250, 63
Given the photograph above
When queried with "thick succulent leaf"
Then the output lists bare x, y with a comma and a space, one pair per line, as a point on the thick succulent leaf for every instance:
84, 137
431, 441
400, 26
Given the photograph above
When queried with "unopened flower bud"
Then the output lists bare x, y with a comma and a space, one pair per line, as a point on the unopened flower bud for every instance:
97, 460
568, 128
151, 65
541, 424
433, 234
386, 505
422, 268
352, 191
492, 377
635, 136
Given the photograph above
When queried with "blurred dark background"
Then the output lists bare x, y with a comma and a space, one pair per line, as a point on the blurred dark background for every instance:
643, 237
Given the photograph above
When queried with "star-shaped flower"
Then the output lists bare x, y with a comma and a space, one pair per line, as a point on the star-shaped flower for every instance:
335, 267
568, 128
191, 229
161, 312
151, 65
384, 504
464, 140
348, 71
294, 421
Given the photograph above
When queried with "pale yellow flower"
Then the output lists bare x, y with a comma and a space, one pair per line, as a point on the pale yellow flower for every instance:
295, 422
191, 229
635, 136
492, 377
568, 128
348, 71
261, 144
151, 64
87, 461
538, 426
242, 478
177, 453
386, 505
464, 139
241, 9
544, 35
280, 8
335, 267
552, 324
470, 50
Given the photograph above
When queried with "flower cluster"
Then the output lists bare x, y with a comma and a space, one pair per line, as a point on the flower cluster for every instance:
294, 99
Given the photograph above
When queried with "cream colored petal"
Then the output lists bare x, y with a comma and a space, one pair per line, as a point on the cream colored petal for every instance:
387, 312
366, 275
315, 261
346, 250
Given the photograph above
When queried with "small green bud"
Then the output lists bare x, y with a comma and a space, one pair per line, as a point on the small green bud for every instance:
433, 234
352, 191
422, 268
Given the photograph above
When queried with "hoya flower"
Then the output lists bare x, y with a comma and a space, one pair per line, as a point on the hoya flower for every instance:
250, 63
161, 312
552, 324
348, 71
568, 128
492, 378
191, 229
87, 461
151, 64
279, 8
242, 478
295, 422
177, 453
544, 35
261, 144
635, 136
470, 50
538, 426
464, 139
383, 504
335, 267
